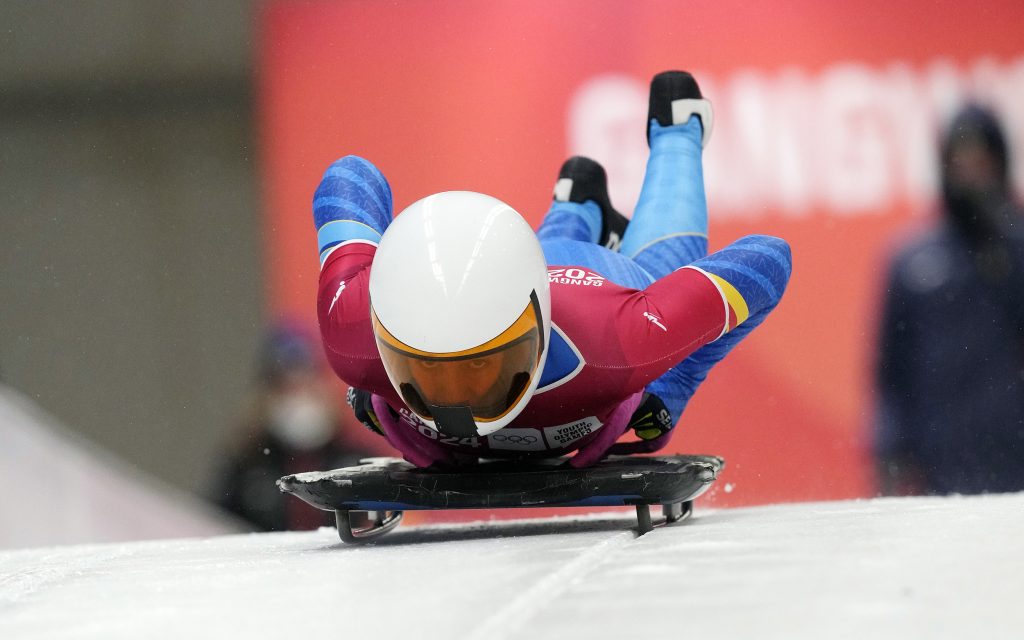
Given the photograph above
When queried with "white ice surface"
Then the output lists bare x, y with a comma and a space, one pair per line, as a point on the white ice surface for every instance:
892, 568
60, 489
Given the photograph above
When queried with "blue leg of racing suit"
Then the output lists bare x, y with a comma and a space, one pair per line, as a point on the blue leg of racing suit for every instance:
669, 230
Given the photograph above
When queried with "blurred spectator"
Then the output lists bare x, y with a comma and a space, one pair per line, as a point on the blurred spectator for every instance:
293, 426
950, 373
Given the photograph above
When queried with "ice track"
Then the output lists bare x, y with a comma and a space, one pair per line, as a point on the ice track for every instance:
894, 568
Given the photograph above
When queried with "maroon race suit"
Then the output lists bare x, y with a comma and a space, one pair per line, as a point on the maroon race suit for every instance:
618, 339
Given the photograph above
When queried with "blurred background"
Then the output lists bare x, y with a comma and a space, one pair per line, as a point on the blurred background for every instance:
157, 162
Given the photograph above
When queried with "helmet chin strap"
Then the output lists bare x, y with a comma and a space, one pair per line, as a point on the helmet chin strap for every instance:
454, 421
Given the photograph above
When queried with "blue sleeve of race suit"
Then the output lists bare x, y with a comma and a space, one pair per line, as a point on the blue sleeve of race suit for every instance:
752, 274
352, 204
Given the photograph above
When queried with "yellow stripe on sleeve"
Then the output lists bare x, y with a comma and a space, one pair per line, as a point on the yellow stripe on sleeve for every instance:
734, 298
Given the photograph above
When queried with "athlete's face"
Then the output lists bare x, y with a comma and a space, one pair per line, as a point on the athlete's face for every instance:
458, 383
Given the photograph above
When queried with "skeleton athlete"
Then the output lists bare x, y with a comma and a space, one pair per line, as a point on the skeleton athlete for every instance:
465, 335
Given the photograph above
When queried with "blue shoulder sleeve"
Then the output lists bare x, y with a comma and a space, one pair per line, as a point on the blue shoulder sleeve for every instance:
752, 274
352, 204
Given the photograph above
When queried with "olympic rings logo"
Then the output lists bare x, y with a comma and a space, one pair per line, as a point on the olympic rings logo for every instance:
514, 439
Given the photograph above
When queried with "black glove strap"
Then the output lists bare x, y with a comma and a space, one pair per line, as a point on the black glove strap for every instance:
362, 407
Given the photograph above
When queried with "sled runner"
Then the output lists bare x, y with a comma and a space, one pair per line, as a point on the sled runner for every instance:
369, 499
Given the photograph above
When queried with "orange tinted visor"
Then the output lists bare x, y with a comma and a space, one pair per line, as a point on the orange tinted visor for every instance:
490, 379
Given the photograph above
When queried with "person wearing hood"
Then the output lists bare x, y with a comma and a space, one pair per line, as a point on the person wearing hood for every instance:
950, 369
292, 425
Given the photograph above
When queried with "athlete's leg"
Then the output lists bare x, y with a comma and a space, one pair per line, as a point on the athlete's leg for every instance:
581, 209
579, 221
670, 225
581, 228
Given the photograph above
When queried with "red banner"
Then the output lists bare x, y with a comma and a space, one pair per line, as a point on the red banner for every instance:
826, 119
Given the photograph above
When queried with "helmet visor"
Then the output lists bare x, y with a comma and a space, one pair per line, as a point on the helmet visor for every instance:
489, 379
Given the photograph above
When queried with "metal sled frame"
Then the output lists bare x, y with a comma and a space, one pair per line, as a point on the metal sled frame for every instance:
672, 513
380, 523
369, 500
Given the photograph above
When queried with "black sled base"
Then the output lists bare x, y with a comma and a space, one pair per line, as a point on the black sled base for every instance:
369, 499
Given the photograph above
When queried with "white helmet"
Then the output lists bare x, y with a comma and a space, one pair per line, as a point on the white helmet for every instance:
461, 311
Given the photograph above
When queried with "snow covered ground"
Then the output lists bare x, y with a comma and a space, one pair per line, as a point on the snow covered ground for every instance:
61, 489
891, 568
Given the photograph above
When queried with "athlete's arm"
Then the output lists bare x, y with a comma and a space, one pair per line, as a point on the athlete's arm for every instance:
727, 292
351, 209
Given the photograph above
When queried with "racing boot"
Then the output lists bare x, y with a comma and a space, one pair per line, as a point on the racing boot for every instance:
582, 179
675, 97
